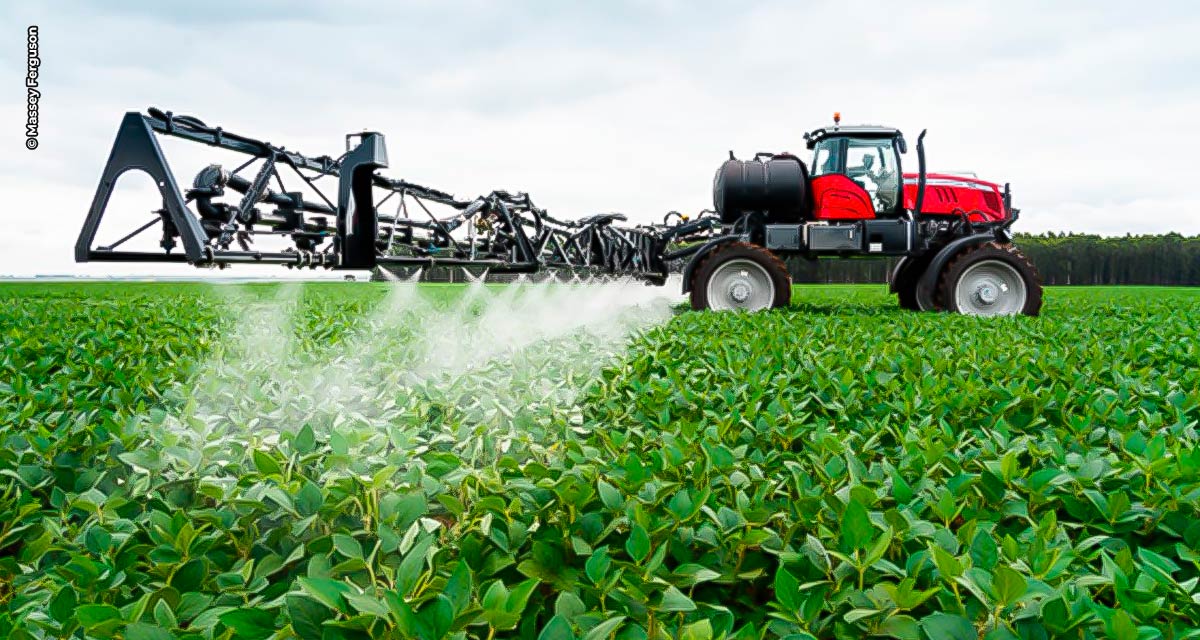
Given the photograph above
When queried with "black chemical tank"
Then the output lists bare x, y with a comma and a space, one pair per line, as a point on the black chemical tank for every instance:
776, 185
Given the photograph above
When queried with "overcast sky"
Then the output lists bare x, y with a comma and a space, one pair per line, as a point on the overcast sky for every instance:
1088, 108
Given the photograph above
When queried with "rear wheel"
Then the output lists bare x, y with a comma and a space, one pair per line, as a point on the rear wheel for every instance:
907, 294
991, 279
905, 280
741, 277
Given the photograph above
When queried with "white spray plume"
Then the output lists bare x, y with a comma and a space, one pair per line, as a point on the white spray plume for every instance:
494, 364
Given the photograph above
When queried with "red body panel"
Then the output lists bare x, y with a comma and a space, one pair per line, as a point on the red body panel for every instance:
947, 194
836, 197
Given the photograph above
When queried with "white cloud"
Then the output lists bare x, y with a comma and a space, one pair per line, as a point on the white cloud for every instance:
1086, 108
1112, 217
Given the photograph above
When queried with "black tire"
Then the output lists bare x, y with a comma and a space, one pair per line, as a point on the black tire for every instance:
780, 280
906, 292
999, 255
905, 280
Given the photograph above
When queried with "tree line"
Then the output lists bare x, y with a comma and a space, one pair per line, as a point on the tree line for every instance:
1062, 258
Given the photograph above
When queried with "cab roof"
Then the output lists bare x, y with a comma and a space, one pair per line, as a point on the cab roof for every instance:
851, 131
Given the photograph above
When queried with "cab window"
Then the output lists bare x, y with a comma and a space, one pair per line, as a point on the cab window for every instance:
826, 157
874, 166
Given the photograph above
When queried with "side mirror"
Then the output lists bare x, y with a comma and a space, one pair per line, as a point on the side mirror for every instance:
901, 145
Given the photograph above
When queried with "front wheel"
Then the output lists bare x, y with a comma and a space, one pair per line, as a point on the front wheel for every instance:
991, 279
741, 276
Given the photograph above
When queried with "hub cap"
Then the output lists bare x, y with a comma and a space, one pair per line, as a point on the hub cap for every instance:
740, 284
990, 288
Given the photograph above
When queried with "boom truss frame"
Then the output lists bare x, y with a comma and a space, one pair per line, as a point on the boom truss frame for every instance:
501, 231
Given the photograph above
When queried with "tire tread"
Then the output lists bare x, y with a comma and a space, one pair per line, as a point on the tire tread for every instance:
945, 288
774, 263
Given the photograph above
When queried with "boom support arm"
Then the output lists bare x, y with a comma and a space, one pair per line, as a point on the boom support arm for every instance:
500, 231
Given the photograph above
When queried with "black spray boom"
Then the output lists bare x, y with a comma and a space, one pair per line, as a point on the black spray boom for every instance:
502, 231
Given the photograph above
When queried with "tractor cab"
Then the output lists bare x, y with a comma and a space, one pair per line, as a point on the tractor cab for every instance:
856, 172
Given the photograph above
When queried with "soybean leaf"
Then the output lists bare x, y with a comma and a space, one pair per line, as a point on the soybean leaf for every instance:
250, 623
856, 528
638, 544
557, 629
943, 626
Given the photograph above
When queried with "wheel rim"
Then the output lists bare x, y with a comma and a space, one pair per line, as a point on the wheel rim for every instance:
740, 284
990, 288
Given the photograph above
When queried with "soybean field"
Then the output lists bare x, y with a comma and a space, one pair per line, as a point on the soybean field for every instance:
331, 461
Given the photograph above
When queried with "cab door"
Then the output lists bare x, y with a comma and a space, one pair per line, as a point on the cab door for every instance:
855, 178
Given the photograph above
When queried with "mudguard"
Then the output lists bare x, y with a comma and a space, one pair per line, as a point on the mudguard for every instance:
928, 282
708, 248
